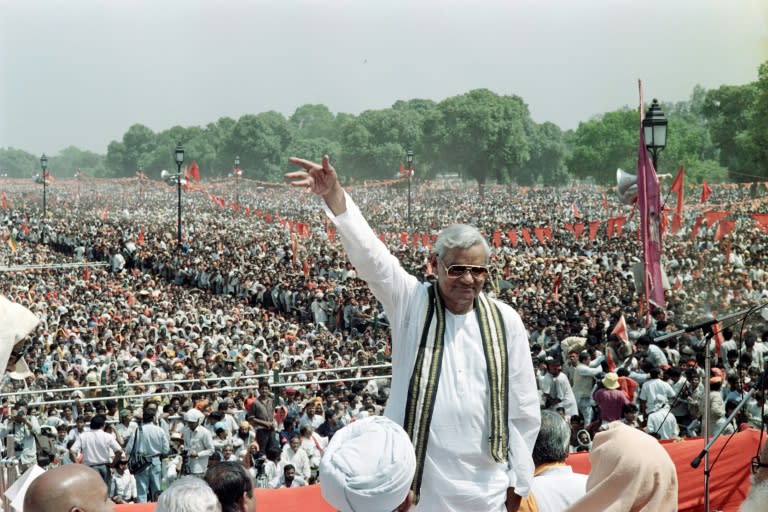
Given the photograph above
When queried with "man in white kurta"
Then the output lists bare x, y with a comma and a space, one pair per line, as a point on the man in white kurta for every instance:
459, 472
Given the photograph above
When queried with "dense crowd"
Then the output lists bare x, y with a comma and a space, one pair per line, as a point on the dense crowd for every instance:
254, 340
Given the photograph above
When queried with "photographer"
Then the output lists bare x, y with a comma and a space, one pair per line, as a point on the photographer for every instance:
22, 427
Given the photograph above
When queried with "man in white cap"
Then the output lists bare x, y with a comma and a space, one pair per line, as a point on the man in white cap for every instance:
198, 440
368, 467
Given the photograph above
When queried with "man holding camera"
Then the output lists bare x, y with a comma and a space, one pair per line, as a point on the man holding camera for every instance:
20, 430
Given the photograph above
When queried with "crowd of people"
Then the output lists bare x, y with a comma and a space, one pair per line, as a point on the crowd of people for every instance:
254, 339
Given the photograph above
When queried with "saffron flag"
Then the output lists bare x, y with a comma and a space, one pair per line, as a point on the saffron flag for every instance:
761, 219
140, 239
724, 228
705, 191
575, 211
539, 233
618, 224
609, 227
593, 227
717, 337
695, 228
649, 205
527, 236
512, 235
194, 171
497, 238
678, 188
578, 229
331, 232
620, 329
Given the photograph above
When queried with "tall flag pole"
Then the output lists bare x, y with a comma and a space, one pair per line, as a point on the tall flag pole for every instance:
649, 206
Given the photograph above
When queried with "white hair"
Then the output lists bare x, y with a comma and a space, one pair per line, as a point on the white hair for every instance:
188, 494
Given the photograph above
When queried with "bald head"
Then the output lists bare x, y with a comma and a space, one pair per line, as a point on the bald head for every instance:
69, 488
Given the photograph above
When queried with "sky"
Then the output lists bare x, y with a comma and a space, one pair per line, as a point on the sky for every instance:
81, 72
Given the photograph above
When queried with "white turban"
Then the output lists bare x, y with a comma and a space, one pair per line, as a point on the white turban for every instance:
16, 322
368, 466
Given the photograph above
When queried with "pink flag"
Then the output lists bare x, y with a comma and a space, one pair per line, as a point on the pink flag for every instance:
649, 205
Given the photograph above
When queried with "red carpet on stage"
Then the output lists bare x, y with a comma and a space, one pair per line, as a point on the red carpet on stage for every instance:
728, 484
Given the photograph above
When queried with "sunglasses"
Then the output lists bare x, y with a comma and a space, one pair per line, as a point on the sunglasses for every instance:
455, 271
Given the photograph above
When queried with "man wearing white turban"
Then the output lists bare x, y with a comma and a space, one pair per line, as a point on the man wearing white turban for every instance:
368, 467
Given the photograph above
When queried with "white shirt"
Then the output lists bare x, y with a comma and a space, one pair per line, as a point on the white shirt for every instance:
557, 487
655, 392
662, 423
459, 471
97, 447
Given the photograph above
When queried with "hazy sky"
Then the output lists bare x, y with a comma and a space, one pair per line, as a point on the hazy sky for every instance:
80, 72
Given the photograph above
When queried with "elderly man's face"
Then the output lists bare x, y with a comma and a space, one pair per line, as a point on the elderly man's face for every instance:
459, 292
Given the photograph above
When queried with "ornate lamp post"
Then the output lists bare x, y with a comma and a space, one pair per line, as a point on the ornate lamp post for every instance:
179, 154
238, 172
409, 160
44, 165
655, 130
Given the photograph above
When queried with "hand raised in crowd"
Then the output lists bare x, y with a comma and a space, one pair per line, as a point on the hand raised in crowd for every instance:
320, 179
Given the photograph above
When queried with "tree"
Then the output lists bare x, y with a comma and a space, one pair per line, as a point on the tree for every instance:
18, 163
262, 142
547, 162
757, 131
479, 134
125, 157
313, 121
603, 144
729, 110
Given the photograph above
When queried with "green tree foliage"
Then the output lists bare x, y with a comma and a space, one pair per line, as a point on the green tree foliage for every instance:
261, 141
757, 134
18, 163
313, 122
603, 144
547, 162
729, 112
480, 135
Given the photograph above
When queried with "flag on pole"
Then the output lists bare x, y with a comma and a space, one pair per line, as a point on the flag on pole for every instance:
678, 188
649, 205
705, 191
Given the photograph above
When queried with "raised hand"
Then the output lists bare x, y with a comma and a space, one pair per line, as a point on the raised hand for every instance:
320, 179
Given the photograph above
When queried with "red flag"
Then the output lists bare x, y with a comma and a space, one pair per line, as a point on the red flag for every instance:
404, 238
512, 235
425, 239
609, 227
416, 239
649, 205
268, 218
140, 240
677, 284
569, 228
382, 237
593, 227
717, 337
86, 274
620, 329
761, 219
556, 283
25, 228
539, 232
695, 228
305, 267
527, 236
578, 229
548, 234
497, 238
605, 204
331, 232
402, 170
303, 229
712, 217
705, 191
677, 186
724, 228
247, 211
194, 171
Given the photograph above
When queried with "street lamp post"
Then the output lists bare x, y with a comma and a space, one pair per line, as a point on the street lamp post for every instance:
409, 160
655, 130
179, 154
237, 180
44, 165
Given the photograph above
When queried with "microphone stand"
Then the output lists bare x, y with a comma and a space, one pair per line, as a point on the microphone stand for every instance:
706, 326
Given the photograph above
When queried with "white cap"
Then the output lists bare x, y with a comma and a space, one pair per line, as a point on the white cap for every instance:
368, 466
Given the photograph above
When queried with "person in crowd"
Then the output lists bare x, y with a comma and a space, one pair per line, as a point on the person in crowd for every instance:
610, 400
151, 441
72, 487
555, 485
232, 485
661, 423
288, 478
198, 441
630, 471
355, 478
22, 427
188, 494
477, 336
99, 450
293, 454
122, 485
